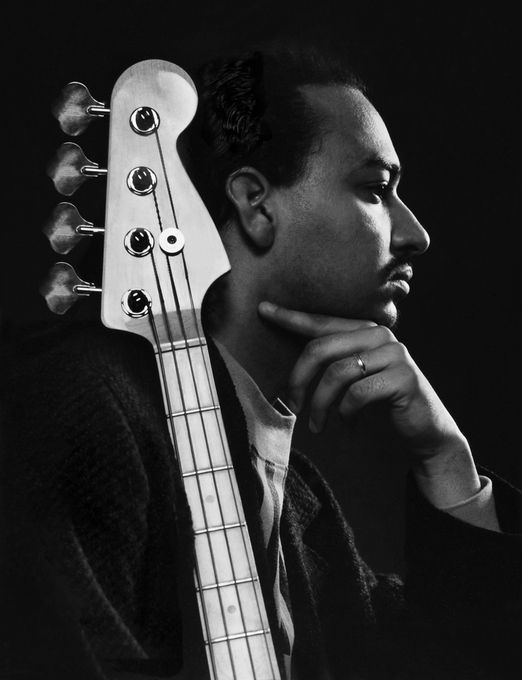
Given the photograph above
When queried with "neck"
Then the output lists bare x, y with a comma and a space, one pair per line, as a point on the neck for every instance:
267, 353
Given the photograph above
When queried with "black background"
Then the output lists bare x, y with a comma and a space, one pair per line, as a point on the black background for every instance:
446, 84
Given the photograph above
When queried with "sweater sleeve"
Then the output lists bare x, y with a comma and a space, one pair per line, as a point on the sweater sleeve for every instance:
456, 613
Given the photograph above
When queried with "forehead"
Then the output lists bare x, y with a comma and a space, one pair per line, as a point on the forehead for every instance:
352, 129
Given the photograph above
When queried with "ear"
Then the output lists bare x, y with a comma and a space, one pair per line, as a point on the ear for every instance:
249, 191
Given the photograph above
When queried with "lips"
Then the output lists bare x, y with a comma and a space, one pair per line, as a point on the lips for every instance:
404, 273
400, 277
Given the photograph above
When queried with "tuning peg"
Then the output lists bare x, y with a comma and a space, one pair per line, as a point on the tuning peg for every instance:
75, 108
63, 287
66, 227
70, 167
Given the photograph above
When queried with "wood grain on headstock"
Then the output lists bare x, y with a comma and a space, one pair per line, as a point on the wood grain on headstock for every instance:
170, 91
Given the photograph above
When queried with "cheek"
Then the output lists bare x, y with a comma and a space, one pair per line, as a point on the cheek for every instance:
370, 242
327, 258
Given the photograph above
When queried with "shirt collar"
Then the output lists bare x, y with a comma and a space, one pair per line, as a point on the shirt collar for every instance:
270, 425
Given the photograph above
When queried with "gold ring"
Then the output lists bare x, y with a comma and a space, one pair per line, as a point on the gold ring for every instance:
360, 363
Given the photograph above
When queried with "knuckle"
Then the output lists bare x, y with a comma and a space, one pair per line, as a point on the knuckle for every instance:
313, 350
384, 335
321, 323
335, 372
358, 391
400, 350
371, 385
377, 383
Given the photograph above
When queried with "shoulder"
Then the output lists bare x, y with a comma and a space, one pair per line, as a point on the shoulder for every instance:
84, 410
69, 368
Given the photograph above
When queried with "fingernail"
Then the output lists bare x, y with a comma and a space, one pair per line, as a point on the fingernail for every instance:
268, 307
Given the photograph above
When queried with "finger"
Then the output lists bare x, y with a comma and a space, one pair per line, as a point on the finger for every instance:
382, 386
309, 325
340, 375
320, 352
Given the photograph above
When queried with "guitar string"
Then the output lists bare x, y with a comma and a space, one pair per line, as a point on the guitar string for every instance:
231, 476
200, 334
178, 464
223, 445
212, 473
192, 450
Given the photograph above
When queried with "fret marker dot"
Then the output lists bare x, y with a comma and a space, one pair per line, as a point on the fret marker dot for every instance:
231, 609
210, 498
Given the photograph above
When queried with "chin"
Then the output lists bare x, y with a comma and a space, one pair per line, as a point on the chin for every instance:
386, 316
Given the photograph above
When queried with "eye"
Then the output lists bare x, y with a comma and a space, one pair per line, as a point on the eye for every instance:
379, 191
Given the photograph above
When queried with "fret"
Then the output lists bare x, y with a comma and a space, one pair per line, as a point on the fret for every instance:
199, 438
207, 471
228, 588
237, 636
177, 345
189, 412
224, 584
216, 545
214, 499
235, 607
186, 374
223, 527
241, 648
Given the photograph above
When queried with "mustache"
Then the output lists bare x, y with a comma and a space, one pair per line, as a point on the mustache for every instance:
392, 266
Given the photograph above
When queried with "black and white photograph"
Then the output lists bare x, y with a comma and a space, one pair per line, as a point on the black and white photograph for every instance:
260, 357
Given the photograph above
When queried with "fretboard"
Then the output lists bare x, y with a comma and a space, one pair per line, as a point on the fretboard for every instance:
235, 626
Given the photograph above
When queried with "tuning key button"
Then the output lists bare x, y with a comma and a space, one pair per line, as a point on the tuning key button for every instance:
142, 180
75, 108
139, 242
144, 120
136, 303
62, 288
65, 228
70, 167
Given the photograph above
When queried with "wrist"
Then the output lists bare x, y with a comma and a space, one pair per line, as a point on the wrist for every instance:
448, 475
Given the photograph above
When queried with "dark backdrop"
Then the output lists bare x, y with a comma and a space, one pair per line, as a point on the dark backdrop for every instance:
445, 82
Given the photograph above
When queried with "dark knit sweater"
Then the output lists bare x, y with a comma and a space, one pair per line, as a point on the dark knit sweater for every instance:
98, 535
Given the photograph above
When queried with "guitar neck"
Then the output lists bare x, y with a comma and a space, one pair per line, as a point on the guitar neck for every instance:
236, 632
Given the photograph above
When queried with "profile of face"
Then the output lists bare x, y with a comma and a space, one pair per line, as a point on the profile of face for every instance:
343, 238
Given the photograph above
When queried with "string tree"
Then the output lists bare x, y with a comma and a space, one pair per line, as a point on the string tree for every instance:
65, 228
75, 108
62, 287
70, 168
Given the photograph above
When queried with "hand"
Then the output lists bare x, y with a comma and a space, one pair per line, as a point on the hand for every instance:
439, 452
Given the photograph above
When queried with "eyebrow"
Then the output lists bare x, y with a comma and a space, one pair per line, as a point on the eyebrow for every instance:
394, 169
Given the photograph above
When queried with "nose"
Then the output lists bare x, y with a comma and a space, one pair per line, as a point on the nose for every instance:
408, 234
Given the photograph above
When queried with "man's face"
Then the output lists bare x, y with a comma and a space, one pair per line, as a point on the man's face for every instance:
345, 238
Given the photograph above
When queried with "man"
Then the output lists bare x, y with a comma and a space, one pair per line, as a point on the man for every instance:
301, 177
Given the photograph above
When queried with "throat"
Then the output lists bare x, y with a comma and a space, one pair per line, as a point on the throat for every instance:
267, 354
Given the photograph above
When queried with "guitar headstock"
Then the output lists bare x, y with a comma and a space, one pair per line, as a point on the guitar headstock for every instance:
162, 251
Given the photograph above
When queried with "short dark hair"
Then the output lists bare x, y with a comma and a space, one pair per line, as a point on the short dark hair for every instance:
252, 112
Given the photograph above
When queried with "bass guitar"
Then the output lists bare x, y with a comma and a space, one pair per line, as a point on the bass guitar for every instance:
161, 254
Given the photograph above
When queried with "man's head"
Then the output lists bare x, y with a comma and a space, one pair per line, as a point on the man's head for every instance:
300, 175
